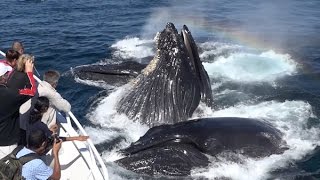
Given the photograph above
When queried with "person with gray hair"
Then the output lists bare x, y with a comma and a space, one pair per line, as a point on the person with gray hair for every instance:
46, 88
52, 77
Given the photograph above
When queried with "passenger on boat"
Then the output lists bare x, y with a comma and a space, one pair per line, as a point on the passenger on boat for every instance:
19, 78
18, 46
36, 168
40, 107
12, 57
11, 100
46, 88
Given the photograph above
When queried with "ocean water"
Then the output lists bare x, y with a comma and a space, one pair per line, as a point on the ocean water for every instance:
263, 59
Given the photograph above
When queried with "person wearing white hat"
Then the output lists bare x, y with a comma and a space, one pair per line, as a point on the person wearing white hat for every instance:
11, 100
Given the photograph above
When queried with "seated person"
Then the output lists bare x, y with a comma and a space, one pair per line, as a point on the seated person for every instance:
40, 107
36, 168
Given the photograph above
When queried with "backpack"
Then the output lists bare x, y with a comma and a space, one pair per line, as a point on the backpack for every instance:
11, 166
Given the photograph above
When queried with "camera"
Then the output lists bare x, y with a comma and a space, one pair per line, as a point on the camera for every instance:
56, 137
52, 138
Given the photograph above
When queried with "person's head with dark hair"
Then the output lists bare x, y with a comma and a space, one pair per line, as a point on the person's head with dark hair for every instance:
37, 141
4, 69
12, 56
52, 77
40, 107
18, 46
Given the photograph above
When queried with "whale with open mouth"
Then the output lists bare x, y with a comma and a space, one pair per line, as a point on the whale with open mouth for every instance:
168, 89
164, 96
171, 87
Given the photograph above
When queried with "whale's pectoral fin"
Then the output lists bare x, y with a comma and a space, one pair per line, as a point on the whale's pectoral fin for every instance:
113, 74
173, 160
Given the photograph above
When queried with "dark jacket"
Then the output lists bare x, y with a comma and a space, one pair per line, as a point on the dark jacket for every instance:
18, 80
10, 101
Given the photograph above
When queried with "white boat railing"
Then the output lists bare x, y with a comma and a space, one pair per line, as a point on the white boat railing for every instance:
3, 54
94, 154
92, 149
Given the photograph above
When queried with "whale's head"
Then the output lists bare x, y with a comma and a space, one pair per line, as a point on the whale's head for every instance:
171, 87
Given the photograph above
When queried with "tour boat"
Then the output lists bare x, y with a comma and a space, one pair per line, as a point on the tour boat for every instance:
79, 160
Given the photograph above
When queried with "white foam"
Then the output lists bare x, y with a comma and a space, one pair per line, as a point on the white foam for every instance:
216, 49
100, 84
99, 135
118, 124
290, 117
133, 48
248, 67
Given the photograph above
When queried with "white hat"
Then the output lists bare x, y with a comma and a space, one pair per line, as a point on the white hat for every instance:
4, 68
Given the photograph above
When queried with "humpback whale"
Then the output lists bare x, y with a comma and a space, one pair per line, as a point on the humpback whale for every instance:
177, 148
171, 87
164, 95
168, 89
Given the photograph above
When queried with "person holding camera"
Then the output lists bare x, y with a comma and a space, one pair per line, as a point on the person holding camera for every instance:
18, 79
36, 168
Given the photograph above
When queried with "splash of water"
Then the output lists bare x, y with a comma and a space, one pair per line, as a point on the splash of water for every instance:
133, 48
247, 67
240, 66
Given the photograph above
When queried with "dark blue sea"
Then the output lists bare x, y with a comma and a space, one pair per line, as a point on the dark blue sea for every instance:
263, 59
